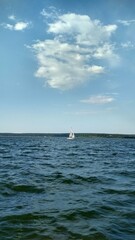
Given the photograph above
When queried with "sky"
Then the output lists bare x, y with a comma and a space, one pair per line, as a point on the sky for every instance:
67, 64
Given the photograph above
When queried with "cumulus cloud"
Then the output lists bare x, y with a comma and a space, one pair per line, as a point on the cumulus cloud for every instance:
82, 29
74, 50
99, 99
16, 25
62, 64
19, 26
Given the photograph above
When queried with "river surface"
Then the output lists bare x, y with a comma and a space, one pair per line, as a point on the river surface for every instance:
52, 188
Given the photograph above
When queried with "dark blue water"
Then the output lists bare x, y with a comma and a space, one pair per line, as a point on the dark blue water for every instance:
54, 188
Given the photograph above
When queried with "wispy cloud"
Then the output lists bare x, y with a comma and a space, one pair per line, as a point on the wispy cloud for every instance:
127, 44
92, 112
82, 112
12, 17
107, 51
126, 22
50, 13
16, 25
74, 52
98, 99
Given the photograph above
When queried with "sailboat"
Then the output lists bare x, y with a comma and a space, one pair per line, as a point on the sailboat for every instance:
71, 135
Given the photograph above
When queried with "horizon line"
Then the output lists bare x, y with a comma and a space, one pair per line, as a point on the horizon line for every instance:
60, 133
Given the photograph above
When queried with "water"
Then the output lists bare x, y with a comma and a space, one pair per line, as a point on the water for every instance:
54, 188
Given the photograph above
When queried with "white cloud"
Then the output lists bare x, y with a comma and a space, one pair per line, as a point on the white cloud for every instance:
12, 17
107, 51
50, 13
82, 29
74, 51
126, 22
82, 112
127, 45
96, 69
91, 112
62, 65
99, 99
17, 25
8, 26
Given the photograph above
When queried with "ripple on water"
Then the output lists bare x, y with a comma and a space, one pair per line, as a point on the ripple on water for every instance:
55, 189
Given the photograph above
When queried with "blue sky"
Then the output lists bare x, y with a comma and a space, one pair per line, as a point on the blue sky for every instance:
67, 64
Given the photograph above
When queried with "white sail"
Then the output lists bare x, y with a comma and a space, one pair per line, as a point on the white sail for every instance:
71, 135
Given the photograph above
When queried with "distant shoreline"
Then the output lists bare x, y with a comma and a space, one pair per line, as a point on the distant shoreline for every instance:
108, 135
